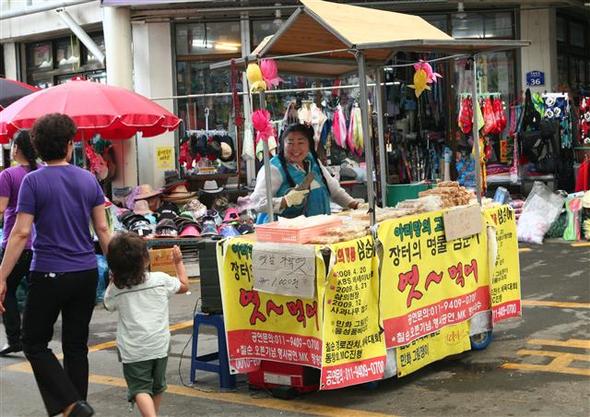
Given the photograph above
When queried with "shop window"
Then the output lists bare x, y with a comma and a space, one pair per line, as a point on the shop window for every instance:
208, 38
261, 29
495, 74
88, 57
577, 35
40, 56
562, 74
439, 21
561, 33
483, 25
467, 25
67, 53
498, 25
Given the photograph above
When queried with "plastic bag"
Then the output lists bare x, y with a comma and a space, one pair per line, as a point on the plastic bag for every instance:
540, 210
103, 278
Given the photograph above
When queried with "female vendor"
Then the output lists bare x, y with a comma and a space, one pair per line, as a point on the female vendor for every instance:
288, 170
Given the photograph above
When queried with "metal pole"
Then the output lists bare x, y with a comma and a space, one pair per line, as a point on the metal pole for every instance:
381, 135
364, 104
476, 132
267, 167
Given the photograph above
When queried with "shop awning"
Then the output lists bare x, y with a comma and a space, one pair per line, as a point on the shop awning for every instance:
321, 38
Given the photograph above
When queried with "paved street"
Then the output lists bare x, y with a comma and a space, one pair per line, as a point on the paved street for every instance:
537, 366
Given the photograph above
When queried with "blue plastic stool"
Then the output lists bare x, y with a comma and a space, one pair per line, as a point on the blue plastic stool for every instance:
205, 362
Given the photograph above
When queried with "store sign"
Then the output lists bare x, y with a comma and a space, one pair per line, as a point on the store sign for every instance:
535, 78
165, 157
284, 269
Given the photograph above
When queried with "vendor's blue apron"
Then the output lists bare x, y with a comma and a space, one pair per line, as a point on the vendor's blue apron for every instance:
318, 199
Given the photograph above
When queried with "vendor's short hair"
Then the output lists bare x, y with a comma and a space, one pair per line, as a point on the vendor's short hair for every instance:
51, 135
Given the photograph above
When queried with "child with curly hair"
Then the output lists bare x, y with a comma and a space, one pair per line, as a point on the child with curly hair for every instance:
141, 297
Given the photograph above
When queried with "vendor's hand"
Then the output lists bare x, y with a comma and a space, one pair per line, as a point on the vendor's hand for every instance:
295, 197
362, 206
176, 255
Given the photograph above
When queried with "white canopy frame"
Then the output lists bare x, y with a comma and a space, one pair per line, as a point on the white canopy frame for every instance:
371, 43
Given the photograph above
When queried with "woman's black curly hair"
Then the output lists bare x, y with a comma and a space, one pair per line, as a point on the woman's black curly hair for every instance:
51, 134
25, 146
127, 259
306, 131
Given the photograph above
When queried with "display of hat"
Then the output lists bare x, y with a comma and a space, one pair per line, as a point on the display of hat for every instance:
231, 215
198, 145
214, 148
211, 187
128, 221
245, 228
179, 194
146, 191
214, 214
166, 228
228, 230
140, 225
220, 203
166, 214
142, 207
196, 207
223, 148
188, 215
190, 230
208, 227
125, 215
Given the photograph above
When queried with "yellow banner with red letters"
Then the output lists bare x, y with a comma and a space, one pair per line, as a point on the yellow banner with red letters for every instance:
429, 283
262, 325
505, 271
354, 348
419, 285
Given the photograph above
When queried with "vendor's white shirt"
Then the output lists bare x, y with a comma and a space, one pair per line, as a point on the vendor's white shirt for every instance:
142, 329
258, 197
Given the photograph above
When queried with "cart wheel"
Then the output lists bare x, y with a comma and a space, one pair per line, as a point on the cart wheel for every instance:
481, 341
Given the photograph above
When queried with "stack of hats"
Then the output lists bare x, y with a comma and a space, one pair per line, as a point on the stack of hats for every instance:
178, 193
136, 223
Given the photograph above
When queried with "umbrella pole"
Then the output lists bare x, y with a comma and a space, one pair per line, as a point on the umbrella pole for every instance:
381, 134
478, 185
266, 152
364, 104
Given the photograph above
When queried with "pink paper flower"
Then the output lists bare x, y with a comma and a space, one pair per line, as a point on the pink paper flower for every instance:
431, 76
262, 125
270, 73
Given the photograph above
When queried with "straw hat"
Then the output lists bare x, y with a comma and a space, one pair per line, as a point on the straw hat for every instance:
178, 194
211, 187
142, 207
146, 191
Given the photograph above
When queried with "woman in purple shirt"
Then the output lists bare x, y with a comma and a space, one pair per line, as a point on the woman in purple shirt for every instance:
10, 180
60, 200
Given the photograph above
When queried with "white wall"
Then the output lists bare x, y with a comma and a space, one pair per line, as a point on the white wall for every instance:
48, 23
153, 77
538, 26
10, 61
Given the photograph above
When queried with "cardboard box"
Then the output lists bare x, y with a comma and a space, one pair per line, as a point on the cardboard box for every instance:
462, 222
161, 261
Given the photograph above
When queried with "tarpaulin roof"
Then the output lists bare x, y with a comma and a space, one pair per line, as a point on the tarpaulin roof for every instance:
333, 31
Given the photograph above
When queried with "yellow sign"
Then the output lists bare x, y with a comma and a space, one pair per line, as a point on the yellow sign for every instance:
354, 348
447, 341
165, 157
429, 283
262, 325
505, 274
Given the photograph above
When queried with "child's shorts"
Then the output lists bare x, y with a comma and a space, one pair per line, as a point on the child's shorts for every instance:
145, 377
